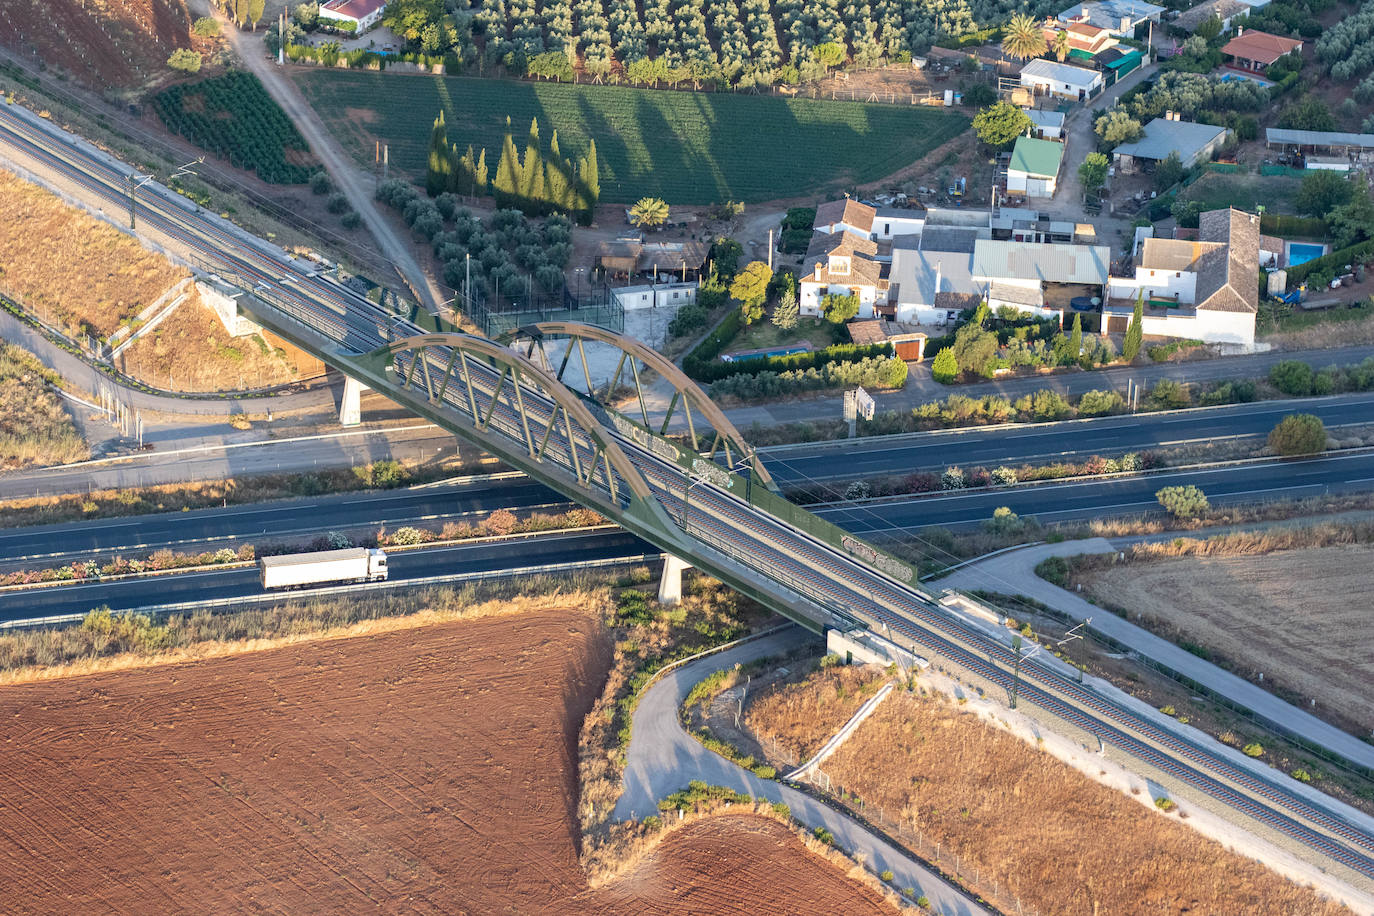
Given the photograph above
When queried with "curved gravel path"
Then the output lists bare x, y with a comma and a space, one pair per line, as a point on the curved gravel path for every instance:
663, 758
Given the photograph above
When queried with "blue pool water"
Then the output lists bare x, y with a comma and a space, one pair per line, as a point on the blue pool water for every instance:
1299, 253
781, 351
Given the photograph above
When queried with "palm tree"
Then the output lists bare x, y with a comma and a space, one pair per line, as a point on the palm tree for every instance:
1022, 38
649, 213
1061, 44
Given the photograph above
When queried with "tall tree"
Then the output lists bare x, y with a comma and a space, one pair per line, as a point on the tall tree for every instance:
460, 182
589, 182
1022, 37
1076, 338
531, 185
255, 11
1061, 44
1130, 347
479, 174
440, 166
507, 181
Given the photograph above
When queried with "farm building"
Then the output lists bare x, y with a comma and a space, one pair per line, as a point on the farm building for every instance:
890, 222
1046, 77
1049, 125
1034, 168
1120, 17
1201, 290
847, 215
628, 257
1040, 279
1254, 51
352, 15
1321, 142
1194, 143
1225, 10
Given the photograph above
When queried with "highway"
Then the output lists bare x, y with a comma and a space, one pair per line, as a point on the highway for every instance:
301, 519
220, 584
727, 532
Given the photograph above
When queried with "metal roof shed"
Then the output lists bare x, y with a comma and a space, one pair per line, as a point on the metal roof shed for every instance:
1318, 139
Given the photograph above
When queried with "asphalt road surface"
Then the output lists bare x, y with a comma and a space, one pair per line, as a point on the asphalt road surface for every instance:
125, 594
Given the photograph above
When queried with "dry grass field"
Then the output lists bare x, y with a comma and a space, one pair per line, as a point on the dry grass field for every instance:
803, 720
418, 769
35, 429
1061, 842
190, 351
71, 269
1298, 616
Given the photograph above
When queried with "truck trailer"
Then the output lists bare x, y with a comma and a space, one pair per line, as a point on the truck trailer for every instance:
292, 570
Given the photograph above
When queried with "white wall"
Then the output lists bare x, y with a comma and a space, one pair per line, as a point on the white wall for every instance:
1206, 325
886, 227
664, 294
809, 298
1158, 284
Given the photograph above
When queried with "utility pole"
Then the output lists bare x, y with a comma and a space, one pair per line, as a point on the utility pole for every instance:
1016, 667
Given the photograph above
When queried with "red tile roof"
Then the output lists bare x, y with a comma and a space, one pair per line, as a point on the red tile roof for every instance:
848, 211
1260, 46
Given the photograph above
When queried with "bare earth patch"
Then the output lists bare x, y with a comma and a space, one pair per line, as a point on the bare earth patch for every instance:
428, 769
71, 269
191, 351
1292, 614
1057, 840
803, 720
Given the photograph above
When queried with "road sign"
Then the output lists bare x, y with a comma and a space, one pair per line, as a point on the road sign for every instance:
863, 401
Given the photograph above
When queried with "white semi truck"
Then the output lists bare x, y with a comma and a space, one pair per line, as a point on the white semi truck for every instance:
356, 564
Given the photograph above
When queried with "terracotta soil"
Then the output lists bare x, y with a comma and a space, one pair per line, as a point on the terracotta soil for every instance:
423, 770
102, 43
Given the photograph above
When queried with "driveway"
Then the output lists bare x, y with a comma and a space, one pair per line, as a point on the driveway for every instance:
663, 758
250, 49
1014, 573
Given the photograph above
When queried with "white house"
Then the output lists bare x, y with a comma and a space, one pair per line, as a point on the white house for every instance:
352, 15
1047, 77
890, 222
1203, 290
842, 263
1120, 17
1034, 167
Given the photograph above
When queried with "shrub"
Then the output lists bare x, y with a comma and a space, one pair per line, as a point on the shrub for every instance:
1168, 710
351, 220
1301, 775
407, 536
825, 836
1005, 522
1183, 502
1168, 394
953, 479
922, 901
185, 60
205, 27
1054, 570
1097, 403
1253, 749
320, 183
1165, 804
886, 874
1298, 434
1292, 377
1004, 476
338, 203
945, 368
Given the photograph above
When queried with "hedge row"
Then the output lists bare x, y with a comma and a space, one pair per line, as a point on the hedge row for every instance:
703, 365
1332, 263
1281, 224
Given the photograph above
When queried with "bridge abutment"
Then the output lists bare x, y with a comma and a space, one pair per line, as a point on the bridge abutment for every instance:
350, 405
670, 583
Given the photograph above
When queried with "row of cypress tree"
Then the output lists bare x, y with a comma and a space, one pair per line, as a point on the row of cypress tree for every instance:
535, 181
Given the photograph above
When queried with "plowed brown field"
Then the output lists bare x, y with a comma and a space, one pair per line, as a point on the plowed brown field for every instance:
425, 770
103, 43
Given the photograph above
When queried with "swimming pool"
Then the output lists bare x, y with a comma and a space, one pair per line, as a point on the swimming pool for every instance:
1301, 253
756, 354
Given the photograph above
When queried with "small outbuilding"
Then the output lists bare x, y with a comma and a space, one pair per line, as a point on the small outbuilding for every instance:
352, 15
1047, 77
1121, 17
1034, 168
1049, 125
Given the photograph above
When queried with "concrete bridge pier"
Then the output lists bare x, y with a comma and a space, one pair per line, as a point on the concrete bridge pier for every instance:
670, 583
350, 406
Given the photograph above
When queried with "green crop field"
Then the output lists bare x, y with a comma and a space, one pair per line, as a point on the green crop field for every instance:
687, 147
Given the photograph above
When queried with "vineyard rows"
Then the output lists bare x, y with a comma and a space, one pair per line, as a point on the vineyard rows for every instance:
689, 148
742, 42
234, 118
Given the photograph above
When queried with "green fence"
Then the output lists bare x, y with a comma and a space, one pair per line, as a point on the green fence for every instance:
1282, 170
